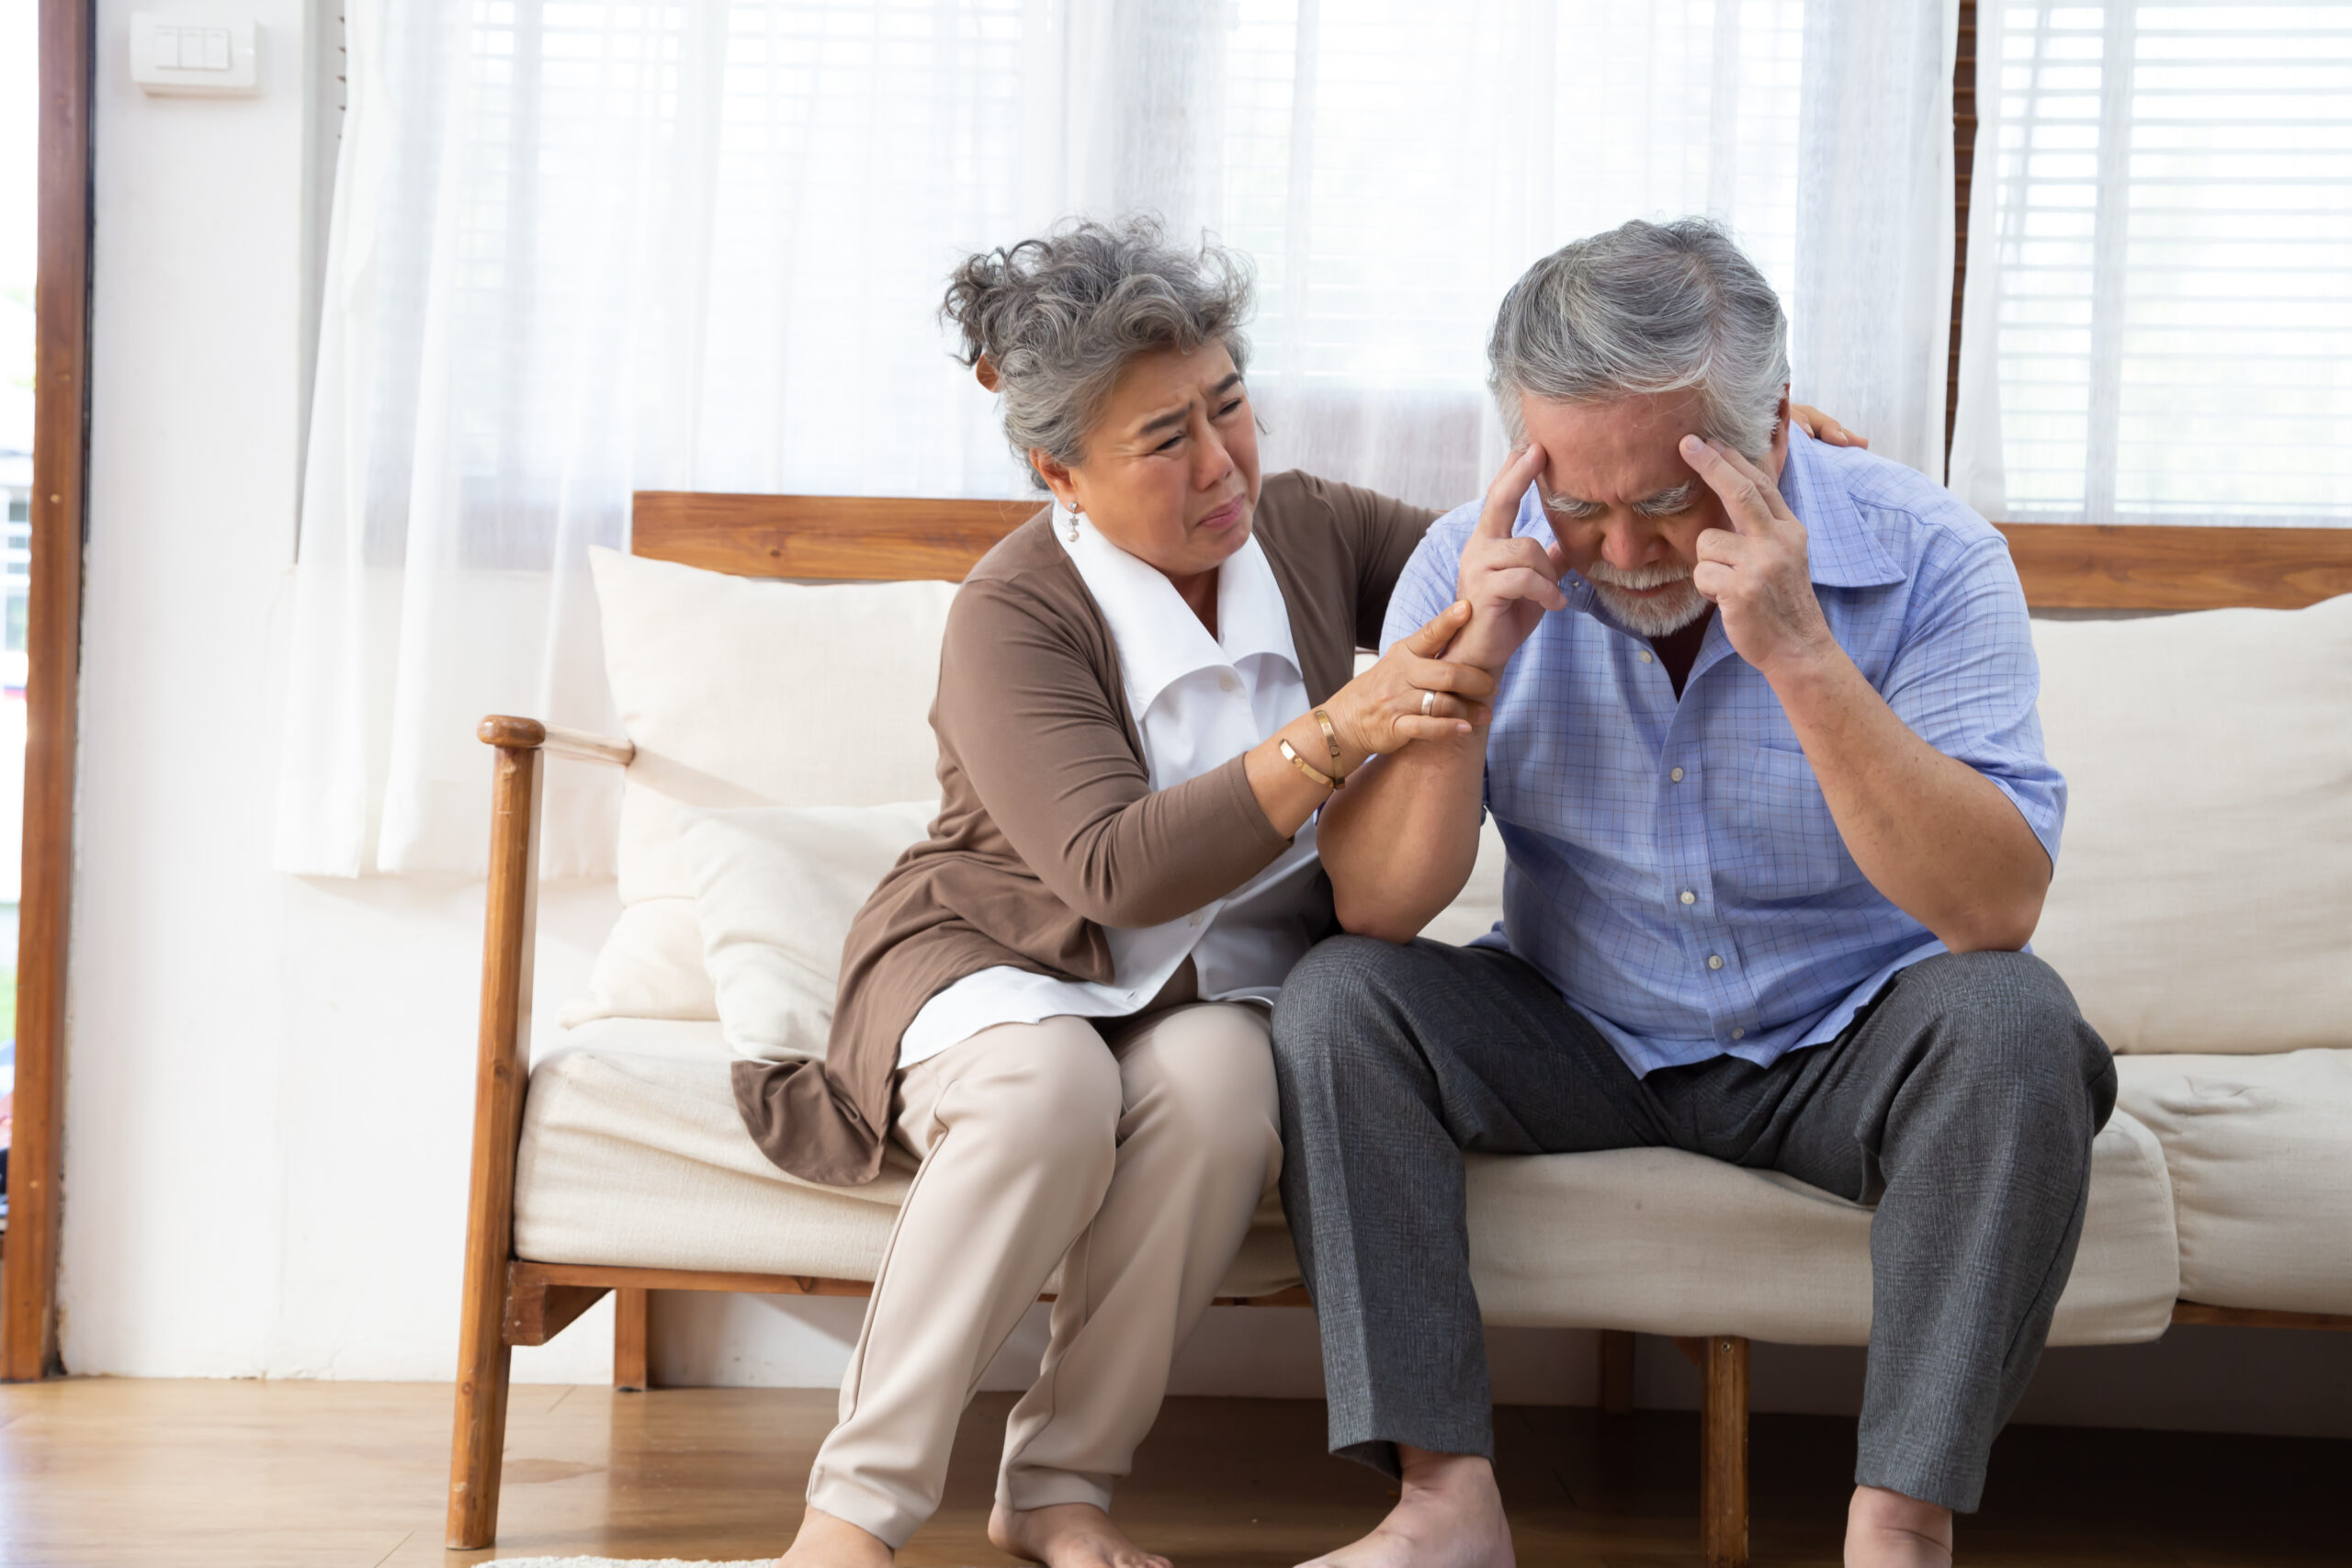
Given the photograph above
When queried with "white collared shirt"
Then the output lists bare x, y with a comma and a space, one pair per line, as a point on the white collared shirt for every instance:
1199, 701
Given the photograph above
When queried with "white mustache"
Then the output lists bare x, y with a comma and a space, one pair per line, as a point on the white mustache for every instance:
1634, 577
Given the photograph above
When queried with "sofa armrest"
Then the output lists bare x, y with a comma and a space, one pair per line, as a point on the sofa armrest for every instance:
530, 735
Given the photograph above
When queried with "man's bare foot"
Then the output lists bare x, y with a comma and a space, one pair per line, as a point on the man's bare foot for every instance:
1886, 1529
825, 1541
1067, 1535
1450, 1515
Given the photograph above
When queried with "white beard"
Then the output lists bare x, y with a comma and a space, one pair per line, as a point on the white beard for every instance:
1658, 615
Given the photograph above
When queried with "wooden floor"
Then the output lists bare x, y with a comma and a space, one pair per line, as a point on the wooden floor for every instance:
107, 1473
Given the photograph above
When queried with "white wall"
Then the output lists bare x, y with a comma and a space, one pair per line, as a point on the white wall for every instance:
271, 1077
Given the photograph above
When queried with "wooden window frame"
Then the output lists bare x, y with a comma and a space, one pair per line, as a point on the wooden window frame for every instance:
53, 638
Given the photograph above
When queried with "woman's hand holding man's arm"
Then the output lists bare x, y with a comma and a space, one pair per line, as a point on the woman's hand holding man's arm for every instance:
1410, 695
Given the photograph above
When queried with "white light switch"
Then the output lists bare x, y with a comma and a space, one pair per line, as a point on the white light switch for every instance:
195, 56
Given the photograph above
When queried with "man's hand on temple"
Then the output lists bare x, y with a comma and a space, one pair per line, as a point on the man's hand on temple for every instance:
1756, 571
1937, 838
1508, 581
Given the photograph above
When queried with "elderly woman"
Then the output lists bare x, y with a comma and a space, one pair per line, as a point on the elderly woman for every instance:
1057, 1004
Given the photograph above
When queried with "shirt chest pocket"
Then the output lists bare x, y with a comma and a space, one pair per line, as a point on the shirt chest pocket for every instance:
1781, 842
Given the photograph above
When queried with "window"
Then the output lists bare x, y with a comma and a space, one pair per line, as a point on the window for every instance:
2164, 255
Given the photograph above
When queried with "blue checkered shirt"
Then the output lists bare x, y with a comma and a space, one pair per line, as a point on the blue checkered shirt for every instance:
1674, 868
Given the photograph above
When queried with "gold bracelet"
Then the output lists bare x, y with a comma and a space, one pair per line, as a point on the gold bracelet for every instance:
1309, 769
1331, 736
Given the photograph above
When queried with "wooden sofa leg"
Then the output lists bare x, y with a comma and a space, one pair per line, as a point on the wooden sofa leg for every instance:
479, 1443
501, 1071
1722, 1458
629, 1340
1616, 1372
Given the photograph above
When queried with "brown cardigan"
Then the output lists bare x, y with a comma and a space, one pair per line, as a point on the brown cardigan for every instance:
1048, 827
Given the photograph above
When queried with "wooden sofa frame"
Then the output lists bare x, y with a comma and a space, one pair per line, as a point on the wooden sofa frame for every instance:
509, 1301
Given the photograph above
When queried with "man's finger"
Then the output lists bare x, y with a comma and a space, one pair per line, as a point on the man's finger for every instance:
1723, 545
1743, 499
1503, 496
1713, 579
1501, 555
1765, 487
1523, 582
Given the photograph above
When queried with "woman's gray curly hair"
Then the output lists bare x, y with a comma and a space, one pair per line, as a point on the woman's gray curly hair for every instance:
1051, 321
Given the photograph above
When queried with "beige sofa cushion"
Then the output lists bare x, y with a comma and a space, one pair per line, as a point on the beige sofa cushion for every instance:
1665, 1241
632, 1154
742, 692
2260, 1153
2203, 896
775, 890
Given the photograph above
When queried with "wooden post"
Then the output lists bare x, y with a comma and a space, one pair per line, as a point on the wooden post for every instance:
1616, 1372
1722, 1453
629, 1340
53, 680
501, 1073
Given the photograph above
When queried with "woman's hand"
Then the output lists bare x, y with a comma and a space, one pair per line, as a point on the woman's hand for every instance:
1412, 695
1822, 428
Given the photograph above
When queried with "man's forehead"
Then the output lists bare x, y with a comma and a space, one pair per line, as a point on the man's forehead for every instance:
1624, 450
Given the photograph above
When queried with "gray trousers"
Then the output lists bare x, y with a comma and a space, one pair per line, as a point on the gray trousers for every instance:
1962, 1102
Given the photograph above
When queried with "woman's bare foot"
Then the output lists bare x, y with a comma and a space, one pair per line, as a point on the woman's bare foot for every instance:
1067, 1535
1450, 1515
825, 1541
1886, 1529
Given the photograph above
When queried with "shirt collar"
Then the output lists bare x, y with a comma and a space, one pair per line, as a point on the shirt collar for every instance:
1840, 549
1160, 641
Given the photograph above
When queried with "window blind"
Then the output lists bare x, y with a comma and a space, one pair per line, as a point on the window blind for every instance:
2163, 221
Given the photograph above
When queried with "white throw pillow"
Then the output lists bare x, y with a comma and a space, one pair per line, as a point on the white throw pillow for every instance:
2203, 896
743, 692
775, 888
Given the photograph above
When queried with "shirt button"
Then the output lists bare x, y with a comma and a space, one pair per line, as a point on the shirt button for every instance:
1714, 960
1739, 1034
1227, 683
1676, 776
1689, 898
1195, 919
1645, 657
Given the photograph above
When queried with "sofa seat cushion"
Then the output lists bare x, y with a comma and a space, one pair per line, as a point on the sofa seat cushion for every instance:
1665, 1241
632, 1155
2260, 1153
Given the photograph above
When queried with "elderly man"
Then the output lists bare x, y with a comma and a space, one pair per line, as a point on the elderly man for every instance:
1765, 756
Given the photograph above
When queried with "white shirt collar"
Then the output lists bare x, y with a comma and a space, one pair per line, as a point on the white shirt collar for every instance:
1160, 639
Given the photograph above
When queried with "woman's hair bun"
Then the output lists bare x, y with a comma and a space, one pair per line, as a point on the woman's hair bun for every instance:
1048, 323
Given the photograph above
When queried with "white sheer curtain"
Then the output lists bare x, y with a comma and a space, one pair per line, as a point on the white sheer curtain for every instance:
2159, 315
582, 247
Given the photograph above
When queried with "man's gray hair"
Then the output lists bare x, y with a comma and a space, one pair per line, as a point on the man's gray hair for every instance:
1056, 318
1646, 308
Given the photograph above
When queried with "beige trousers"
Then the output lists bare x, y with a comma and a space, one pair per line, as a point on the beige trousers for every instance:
1136, 1168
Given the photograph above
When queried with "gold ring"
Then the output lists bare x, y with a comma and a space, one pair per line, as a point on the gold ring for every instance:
1429, 704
